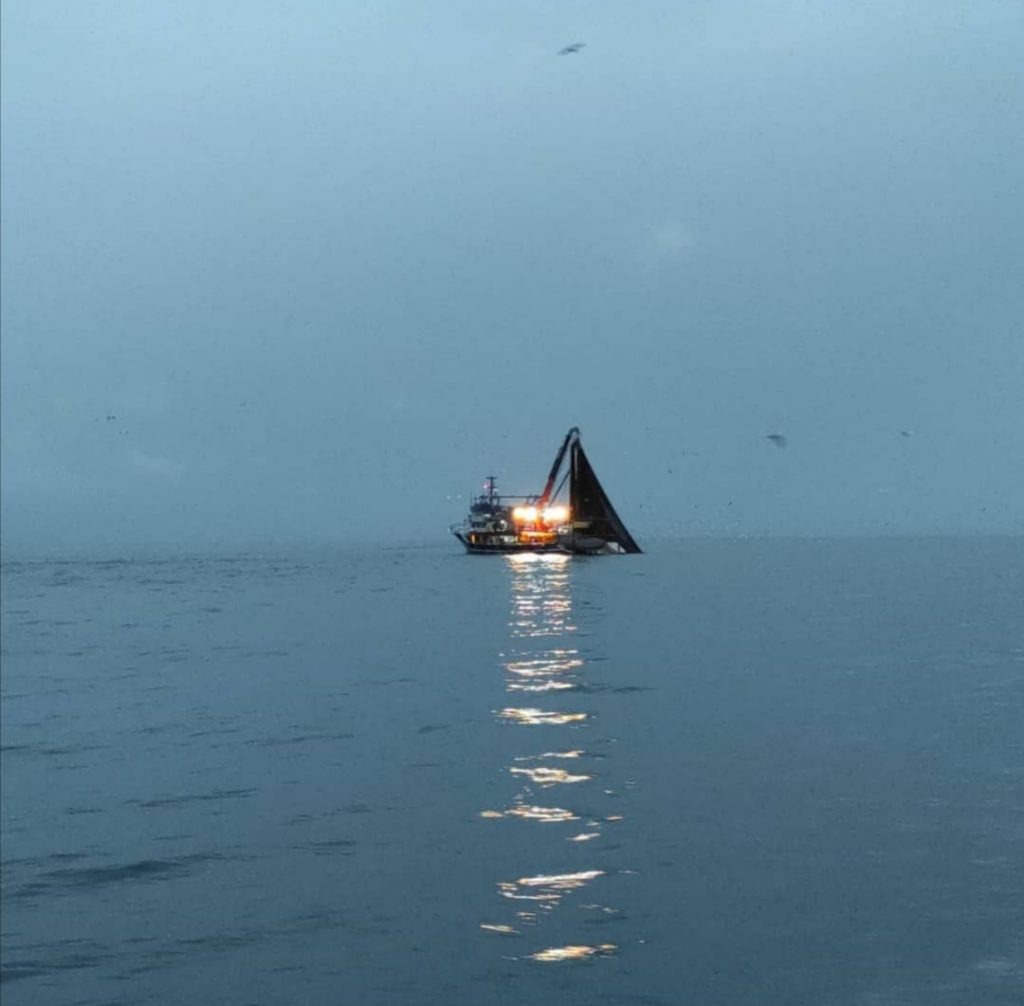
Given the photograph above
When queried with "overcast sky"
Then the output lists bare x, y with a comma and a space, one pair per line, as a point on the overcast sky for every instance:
311, 270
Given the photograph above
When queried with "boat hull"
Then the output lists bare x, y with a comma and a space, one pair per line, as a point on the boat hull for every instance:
573, 544
483, 544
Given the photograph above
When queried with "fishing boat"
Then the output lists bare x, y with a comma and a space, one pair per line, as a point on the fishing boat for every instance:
585, 524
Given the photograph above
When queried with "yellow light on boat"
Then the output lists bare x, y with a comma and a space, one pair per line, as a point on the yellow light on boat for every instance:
525, 514
556, 514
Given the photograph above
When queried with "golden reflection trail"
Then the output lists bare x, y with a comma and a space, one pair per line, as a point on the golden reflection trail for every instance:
544, 663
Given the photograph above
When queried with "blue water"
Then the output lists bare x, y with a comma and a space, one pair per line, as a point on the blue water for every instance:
724, 772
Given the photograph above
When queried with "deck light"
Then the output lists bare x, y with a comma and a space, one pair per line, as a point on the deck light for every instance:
556, 515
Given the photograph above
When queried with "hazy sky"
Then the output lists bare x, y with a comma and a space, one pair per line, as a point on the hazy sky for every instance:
329, 264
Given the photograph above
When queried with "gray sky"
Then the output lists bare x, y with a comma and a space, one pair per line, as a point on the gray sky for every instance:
329, 264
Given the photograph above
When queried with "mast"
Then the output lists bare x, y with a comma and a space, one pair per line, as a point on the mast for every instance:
545, 496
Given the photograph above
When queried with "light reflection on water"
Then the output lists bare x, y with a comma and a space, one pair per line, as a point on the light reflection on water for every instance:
541, 717
572, 953
546, 775
543, 659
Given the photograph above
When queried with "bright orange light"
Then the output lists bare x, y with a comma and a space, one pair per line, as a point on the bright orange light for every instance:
556, 514
525, 514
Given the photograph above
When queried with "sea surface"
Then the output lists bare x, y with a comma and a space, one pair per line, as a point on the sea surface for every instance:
724, 772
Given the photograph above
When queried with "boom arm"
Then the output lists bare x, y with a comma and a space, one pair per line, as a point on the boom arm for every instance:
559, 458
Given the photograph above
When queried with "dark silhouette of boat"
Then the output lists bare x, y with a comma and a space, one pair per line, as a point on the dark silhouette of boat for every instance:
586, 524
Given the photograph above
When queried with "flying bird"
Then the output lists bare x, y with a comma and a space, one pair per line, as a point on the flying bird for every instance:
570, 49
778, 439
906, 433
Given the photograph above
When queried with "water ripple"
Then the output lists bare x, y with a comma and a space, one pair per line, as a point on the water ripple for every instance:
91, 877
178, 801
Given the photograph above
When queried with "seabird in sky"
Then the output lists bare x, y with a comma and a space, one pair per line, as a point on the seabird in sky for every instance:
777, 438
570, 49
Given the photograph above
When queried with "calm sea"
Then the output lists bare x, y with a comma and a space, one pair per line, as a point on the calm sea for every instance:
724, 772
